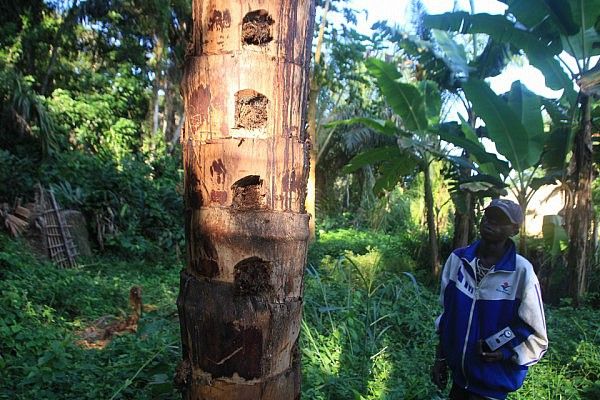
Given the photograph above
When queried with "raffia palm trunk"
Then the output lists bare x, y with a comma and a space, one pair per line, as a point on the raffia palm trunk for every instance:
246, 165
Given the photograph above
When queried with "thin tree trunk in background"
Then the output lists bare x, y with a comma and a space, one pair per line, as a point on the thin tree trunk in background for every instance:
431, 229
462, 222
463, 216
158, 56
245, 153
177, 133
580, 220
311, 197
523, 228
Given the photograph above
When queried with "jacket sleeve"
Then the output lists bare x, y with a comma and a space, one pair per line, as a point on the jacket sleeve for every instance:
531, 340
446, 272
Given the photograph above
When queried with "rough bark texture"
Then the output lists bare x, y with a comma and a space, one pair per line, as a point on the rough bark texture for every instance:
246, 166
579, 221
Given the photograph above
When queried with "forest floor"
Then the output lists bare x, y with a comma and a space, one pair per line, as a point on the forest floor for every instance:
367, 331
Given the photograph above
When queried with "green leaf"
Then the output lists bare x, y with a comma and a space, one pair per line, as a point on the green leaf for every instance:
527, 106
385, 127
585, 12
556, 149
504, 126
554, 75
555, 236
540, 50
492, 60
404, 99
372, 156
433, 101
465, 138
585, 47
481, 182
557, 113
534, 12
453, 52
393, 171
463, 22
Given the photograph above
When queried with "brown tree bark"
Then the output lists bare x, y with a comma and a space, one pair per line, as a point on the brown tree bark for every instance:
579, 221
245, 150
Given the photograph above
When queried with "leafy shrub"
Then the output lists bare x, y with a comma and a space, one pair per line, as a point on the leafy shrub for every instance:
399, 252
132, 208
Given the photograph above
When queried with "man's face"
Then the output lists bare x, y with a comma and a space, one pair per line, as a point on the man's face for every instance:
495, 226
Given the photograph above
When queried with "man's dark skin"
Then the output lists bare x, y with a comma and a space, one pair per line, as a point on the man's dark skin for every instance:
495, 230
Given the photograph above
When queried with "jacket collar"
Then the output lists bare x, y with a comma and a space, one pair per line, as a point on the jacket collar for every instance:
506, 263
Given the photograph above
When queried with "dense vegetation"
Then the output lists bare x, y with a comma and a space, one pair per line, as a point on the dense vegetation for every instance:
89, 108
366, 331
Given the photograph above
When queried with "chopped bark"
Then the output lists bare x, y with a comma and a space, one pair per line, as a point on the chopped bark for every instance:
256, 28
250, 109
253, 277
247, 194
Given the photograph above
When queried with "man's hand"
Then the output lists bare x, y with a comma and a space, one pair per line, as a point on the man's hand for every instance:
488, 356
439, 373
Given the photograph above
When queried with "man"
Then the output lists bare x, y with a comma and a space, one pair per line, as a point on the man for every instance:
492, 327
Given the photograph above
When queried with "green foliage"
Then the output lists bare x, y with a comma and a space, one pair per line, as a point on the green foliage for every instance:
405, 99
23, 111
107, 122
131, 207
354, 339
400, 252
505, 127
367, 331
44, 308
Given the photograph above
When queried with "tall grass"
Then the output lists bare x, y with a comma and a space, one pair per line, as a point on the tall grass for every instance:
367, 332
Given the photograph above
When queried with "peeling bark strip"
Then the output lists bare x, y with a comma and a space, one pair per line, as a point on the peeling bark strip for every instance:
246, 166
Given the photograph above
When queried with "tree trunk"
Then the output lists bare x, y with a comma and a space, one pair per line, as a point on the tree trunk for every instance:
521, 199
463, 220
580, 219
429, 206
159, 48
245, 150
463, 213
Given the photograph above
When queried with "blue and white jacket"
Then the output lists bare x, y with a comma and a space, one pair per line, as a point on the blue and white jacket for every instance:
507, 297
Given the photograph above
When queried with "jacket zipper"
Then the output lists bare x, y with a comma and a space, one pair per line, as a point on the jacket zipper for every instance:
464, 352
475, 296
467, 339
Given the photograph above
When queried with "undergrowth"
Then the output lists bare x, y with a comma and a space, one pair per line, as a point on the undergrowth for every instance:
42, 309
367, 331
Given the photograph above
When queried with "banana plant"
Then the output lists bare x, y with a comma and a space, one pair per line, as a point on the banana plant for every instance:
438, 55
548, 32
416, 110
516, 127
